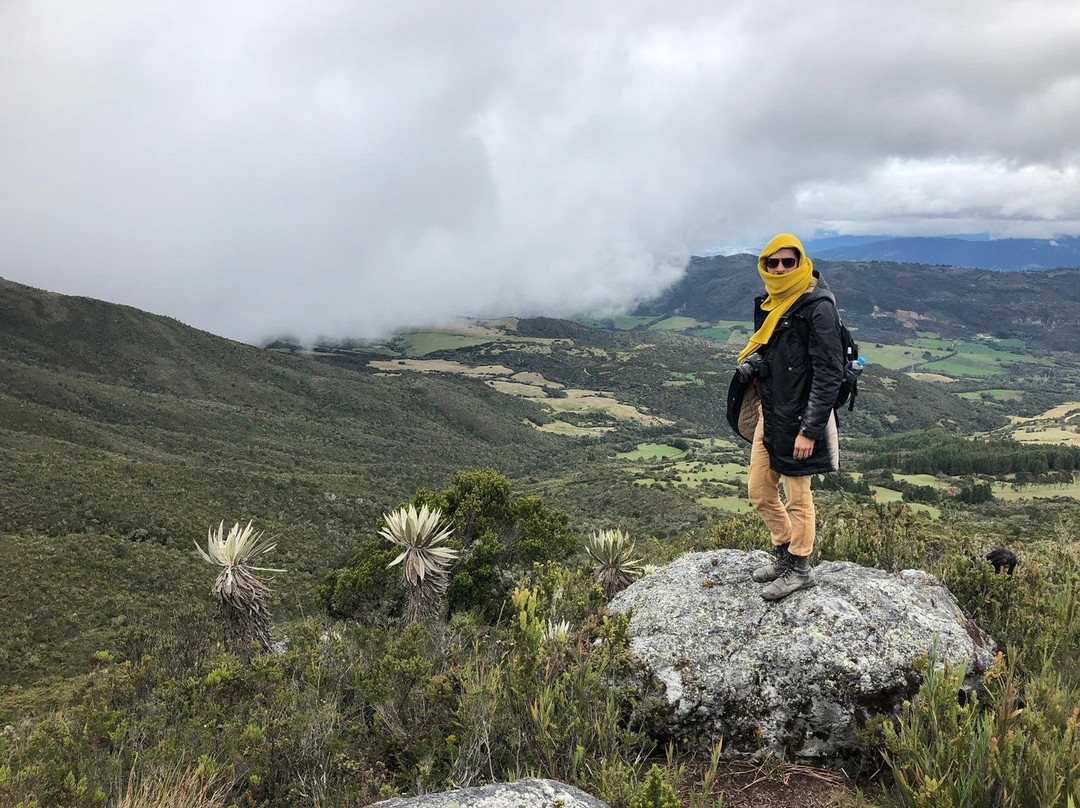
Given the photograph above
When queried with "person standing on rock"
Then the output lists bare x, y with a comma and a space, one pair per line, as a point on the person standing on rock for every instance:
781, 400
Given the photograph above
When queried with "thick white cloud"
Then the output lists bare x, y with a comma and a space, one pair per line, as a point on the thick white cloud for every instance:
344, 169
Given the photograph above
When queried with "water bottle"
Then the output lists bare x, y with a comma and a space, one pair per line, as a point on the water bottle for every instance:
854, 369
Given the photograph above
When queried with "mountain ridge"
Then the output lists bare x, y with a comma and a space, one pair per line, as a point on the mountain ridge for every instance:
1006, 255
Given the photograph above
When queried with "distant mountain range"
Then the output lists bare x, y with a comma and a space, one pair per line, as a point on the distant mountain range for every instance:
978, 251
884, 299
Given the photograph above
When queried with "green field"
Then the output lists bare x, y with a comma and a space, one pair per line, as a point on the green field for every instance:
709, 473
967, 359
651, 451
928, 343
626, 322
715, 443
683, 379
678, 324
714, 334
923, 479
960, 366
1006, 491
570, 430
991, 354
732, 504
1050, 433
899, 357
421, 343
886, 494
951, 358
694, 473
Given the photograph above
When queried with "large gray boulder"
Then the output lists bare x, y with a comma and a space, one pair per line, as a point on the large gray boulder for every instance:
794, 678
528, 793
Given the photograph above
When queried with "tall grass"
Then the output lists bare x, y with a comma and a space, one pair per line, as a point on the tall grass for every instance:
1016, 745
201, 786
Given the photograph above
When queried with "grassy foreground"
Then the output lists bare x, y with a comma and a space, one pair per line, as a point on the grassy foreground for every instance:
350, 711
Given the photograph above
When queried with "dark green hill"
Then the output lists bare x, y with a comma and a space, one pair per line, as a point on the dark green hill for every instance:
116, 378
1041, 308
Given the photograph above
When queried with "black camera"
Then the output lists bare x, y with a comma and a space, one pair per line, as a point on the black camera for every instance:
750, 368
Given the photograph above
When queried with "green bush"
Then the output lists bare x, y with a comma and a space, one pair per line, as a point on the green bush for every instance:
1016, 747
1036, 609
364, 589
501, 538
477, 576
656, 793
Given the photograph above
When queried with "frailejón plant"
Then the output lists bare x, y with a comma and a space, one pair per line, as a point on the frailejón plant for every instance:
425, 559
615, 565
243, 600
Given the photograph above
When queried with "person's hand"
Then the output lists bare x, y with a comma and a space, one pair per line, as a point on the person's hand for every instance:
804, 447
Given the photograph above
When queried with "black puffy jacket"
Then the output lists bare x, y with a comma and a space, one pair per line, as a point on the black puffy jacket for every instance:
800, 376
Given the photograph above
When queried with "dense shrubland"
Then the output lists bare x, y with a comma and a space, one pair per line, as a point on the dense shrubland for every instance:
348, 711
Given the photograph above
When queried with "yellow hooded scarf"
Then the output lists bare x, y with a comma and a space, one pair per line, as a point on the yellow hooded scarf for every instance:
783, 289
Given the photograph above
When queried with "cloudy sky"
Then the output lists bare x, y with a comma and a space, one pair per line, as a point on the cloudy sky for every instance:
345, 168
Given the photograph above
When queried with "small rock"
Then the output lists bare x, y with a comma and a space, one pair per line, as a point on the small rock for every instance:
527, 793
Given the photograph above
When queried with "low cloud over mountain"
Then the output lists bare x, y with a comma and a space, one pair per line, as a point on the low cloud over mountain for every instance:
335, 169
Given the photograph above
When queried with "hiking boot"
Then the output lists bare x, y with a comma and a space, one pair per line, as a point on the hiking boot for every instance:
798, 575
770, 572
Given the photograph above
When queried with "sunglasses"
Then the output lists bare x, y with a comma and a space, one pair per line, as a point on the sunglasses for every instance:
773, 263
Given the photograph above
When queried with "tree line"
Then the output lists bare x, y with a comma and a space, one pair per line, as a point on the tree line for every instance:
937, 452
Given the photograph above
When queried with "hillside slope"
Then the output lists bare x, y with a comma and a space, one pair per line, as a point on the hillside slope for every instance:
125, 435
116, 378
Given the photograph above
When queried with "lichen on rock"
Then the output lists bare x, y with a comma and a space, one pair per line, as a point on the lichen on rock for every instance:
526, 793
798, 677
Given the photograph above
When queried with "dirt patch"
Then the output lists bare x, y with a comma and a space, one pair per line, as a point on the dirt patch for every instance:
563, 428
517, 389
526, 377
931, 377
910, 319
746, 785
1060, 411
584, 401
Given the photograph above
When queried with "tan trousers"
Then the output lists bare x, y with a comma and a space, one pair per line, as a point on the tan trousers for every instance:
794, 523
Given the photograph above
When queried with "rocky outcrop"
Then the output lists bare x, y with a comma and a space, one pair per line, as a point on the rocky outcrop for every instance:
528, 793
797, 677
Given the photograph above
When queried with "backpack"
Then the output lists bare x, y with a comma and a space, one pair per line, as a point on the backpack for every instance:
849, 385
